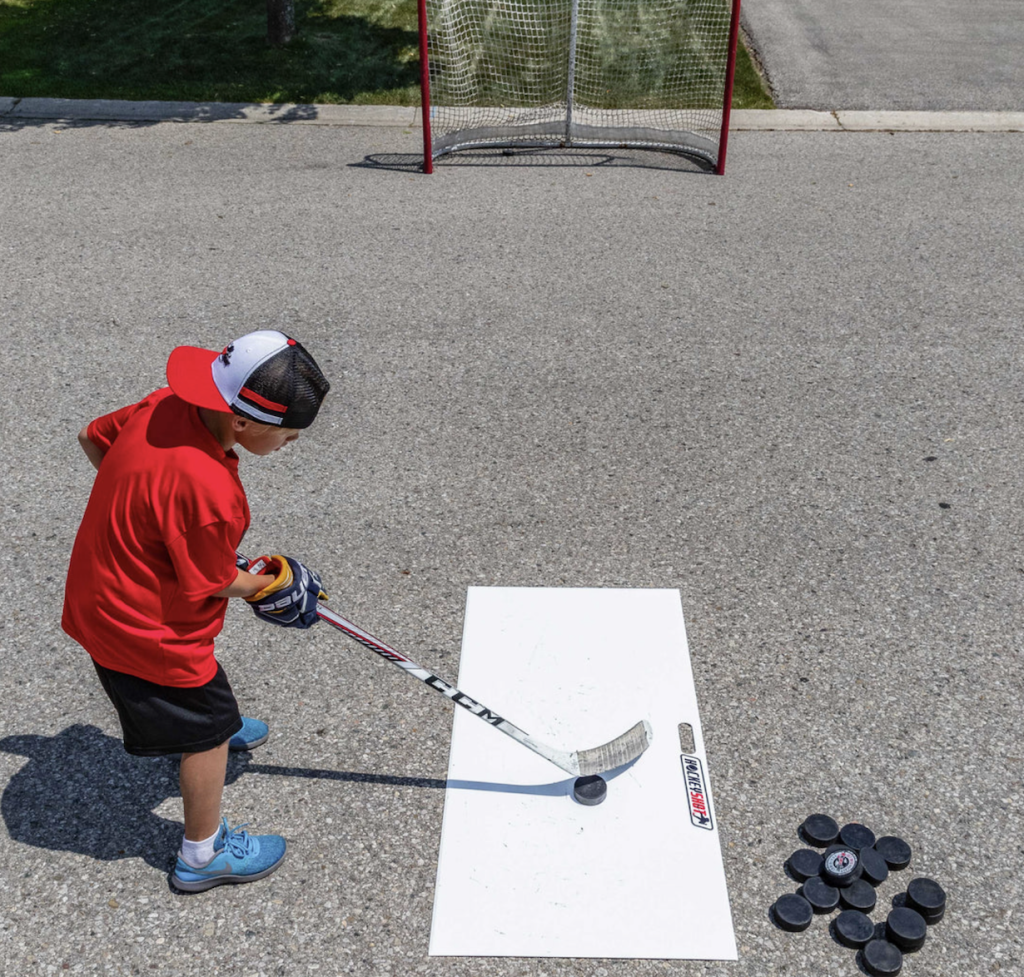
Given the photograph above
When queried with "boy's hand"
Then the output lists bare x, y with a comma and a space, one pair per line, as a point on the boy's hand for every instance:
290, 598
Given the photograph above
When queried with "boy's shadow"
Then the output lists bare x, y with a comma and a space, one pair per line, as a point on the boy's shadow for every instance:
80, 792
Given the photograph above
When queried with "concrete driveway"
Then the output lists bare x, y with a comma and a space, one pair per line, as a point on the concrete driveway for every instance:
907, 55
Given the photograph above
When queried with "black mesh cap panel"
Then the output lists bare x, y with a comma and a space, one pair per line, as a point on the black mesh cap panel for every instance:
293, 379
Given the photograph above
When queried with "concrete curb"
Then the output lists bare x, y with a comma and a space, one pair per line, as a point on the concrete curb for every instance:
782, 120
742, 120
111, 110
795, 120
931, 121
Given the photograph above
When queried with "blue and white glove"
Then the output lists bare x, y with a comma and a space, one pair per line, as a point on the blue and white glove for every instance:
290, 598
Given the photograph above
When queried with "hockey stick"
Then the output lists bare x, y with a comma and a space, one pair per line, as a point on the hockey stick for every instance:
579, 763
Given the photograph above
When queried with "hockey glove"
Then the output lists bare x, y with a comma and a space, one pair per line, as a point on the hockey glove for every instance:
290, 598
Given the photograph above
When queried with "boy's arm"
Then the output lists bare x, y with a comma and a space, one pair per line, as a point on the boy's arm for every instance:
92, 451
105, 429
245, 585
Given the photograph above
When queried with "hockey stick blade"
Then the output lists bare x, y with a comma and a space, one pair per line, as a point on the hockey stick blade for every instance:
621, 750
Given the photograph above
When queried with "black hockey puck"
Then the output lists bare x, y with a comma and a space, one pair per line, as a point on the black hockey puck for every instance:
882, 959
906, 929
819, 830
590, 790
822, 896
856, 836
841, 866
874, 866
854, 929
804, 864
792, 912
858, 895
895, 851
926, 897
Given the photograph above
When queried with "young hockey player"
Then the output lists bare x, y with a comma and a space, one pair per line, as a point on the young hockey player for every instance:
155, 562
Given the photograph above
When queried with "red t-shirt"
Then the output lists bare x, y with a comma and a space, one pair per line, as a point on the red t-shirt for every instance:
157, 541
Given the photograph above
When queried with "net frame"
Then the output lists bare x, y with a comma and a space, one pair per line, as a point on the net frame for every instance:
456, 116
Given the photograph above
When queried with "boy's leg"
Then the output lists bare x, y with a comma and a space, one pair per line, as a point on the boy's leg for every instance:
152, 719
202, 784
212, 853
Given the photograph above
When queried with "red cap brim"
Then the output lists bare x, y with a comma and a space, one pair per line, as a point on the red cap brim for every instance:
190, 376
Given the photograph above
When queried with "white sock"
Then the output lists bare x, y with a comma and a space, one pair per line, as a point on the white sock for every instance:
198, 853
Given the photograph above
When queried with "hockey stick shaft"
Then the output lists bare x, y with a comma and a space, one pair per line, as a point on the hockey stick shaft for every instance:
615, 753
378, 647
621, 750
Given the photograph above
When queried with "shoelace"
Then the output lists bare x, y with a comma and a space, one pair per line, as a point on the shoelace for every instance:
239, 842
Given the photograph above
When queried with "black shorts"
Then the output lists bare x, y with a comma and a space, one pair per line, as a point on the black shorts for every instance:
162, 719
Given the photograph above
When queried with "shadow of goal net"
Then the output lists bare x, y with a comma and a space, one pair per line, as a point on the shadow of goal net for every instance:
649, 74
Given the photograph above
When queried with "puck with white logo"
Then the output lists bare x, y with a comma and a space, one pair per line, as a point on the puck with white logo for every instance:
792, 912
926, 897
906, 929
819, 830
804, 864
895, 851
858, 895
841, 866
854, 929
856, 836
822, 896
874, 866
590, 790
882, 959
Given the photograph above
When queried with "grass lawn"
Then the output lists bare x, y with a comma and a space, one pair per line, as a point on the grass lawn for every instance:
345, 51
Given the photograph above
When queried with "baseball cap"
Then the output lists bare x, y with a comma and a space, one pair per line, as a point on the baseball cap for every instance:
265, 376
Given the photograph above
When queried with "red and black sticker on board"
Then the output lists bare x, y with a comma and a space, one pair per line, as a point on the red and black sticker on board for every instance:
697, 793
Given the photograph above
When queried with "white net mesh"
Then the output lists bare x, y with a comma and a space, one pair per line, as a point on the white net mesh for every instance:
648, 73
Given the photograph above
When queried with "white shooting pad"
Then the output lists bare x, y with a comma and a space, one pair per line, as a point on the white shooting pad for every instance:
524, 870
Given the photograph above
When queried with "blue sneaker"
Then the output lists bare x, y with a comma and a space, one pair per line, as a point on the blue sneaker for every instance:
239, 857
254, 732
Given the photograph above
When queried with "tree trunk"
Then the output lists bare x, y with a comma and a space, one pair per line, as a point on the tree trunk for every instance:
280, 21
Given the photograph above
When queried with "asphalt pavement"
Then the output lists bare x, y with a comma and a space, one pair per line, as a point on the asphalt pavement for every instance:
877, 55
793, 393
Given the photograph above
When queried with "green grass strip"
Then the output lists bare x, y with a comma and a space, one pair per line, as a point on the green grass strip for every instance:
345, 52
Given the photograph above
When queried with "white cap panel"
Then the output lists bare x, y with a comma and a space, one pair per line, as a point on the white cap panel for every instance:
243, 356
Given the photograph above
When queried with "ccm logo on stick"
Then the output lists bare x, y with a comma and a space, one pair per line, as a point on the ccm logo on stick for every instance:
696, 793
464, 700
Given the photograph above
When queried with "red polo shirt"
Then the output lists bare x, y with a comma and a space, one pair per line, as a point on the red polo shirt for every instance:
157, 541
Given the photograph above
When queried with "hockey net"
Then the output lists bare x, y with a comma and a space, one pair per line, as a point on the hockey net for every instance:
528, 73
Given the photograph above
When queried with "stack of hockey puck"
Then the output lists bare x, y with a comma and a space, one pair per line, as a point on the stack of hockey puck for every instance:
845, 875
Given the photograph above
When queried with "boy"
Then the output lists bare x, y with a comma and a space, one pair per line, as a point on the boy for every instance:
155, 562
